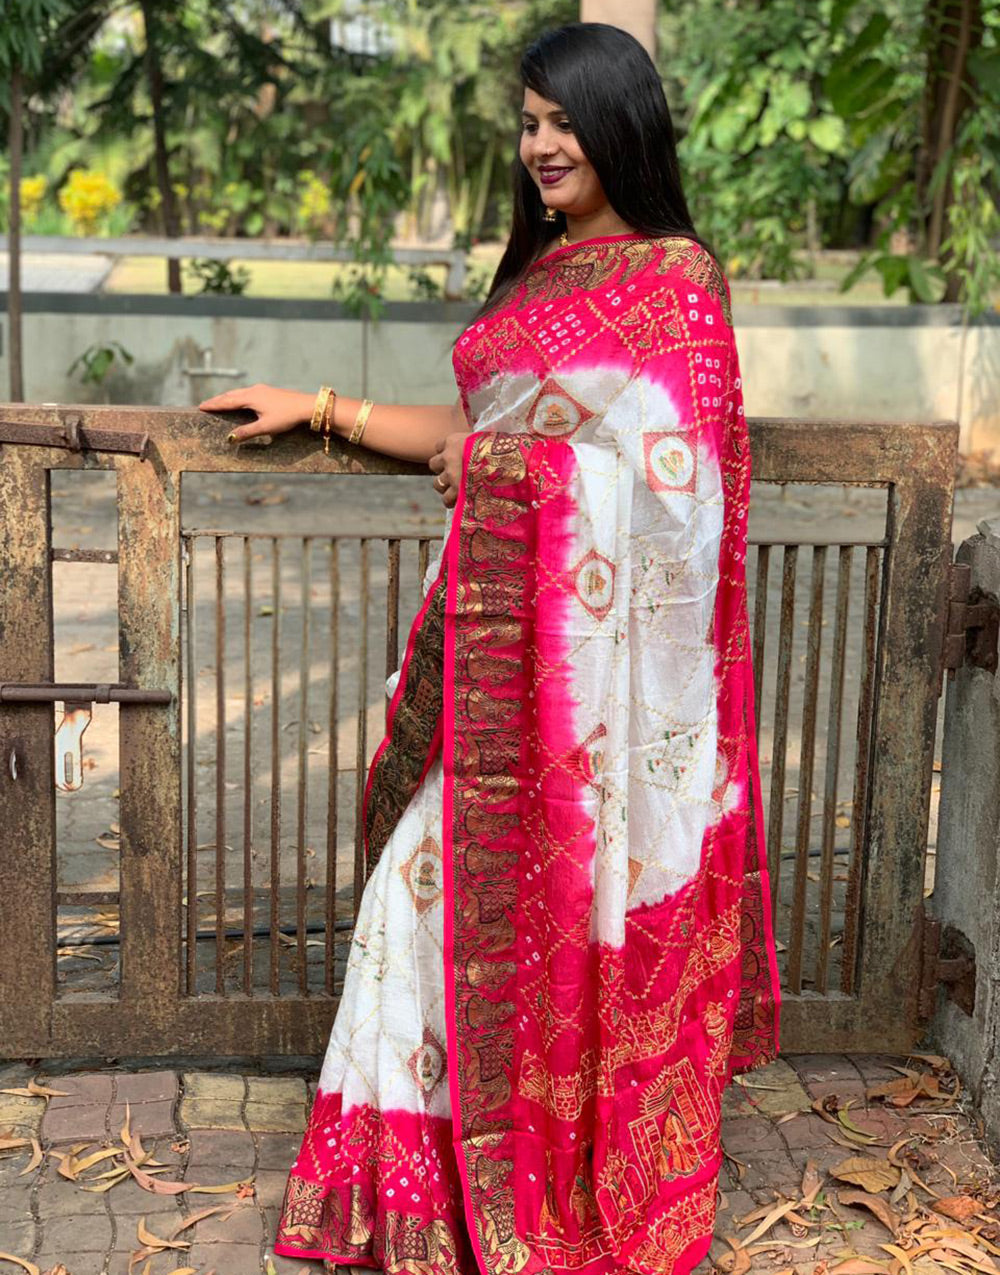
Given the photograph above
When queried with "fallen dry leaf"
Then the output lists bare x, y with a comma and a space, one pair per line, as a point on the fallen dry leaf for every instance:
892, 1155
220, 1190
30, 1267
10, 1144
36, 1158
934, 1060
67, 1160
194, 1218
859, 1266
812, 1182
775, 1215
113, 1180
145, 1236
34, 1090
958, 1207
736, 1263
754, 1215
885, 1213
901, 1256
902, 1186
851, 1127
95, 1158
56, 1270
149, 1183
965, 1245
867, 1172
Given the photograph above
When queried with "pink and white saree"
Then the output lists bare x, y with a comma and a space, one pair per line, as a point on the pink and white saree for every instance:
564, 948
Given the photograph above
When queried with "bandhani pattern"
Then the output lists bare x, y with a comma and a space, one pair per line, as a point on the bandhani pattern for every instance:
565, 947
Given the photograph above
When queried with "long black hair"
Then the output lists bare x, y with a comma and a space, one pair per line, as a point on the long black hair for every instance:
607, 84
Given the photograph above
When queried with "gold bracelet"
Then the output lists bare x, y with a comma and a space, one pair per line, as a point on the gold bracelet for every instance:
324, 393
328, 411
362, 420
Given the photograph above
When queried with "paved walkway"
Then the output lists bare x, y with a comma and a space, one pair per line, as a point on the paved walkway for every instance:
67, 1196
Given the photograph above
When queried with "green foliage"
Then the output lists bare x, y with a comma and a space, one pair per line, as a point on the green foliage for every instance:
96, 361
974, 228
800, 127
360, 291
879, 83
423, 284
793, 116
218, 277
762, 148
23, 32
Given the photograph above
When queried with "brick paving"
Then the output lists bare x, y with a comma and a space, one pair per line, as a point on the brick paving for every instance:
215, 1127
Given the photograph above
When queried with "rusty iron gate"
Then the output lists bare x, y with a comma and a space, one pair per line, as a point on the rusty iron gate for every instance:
848, 664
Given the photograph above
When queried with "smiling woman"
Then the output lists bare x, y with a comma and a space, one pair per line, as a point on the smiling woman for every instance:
564, 948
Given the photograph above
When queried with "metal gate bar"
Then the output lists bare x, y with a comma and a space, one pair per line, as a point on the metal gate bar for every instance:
228, 598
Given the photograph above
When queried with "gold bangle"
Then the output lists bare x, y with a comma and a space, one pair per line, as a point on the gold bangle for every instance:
362, 420
328, 411
321, 399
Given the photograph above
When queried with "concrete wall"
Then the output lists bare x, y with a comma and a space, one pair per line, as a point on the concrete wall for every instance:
854, 362
967, 885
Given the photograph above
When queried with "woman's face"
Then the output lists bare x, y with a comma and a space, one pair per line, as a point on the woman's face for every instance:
553, 157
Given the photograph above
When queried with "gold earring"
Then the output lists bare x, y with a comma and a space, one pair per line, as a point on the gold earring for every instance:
550, 214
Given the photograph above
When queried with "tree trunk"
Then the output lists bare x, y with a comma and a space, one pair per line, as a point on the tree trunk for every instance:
154, 75
954, 29
14, 240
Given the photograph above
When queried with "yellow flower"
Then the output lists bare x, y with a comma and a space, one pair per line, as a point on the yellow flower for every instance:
314, 201
32, 193
86, 198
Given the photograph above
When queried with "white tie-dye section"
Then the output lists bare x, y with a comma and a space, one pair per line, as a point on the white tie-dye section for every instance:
645, 670
388, 1042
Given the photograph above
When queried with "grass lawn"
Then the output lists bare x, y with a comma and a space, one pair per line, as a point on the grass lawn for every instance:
314, 280
309, 280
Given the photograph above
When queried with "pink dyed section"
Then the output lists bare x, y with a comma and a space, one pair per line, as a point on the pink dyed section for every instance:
396, 1166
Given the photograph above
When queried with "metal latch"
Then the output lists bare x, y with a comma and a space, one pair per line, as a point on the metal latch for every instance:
73, 436
77, 699
79, 693
949, 959
972, 624
69, 746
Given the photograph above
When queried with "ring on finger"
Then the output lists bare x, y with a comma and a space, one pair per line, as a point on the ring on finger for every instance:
439, 484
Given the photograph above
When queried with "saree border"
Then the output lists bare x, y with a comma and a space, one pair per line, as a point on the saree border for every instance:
450, 561
497, 1249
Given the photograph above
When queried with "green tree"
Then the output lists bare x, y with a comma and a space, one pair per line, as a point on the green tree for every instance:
922, 126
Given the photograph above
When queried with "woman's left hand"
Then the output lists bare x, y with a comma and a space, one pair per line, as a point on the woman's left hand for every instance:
447, 464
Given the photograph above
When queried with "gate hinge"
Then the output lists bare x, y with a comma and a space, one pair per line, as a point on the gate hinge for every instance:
947, 959
972, 623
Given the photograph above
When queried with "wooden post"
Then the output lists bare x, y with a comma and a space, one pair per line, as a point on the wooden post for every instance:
637, 17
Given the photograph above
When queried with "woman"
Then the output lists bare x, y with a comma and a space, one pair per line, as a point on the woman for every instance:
564, 947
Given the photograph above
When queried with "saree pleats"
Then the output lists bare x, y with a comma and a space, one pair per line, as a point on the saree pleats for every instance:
567, 876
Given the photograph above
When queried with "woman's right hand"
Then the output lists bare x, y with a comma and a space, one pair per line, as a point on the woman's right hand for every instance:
278, 411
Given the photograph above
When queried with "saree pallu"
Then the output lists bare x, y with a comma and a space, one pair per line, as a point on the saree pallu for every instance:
564, 949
